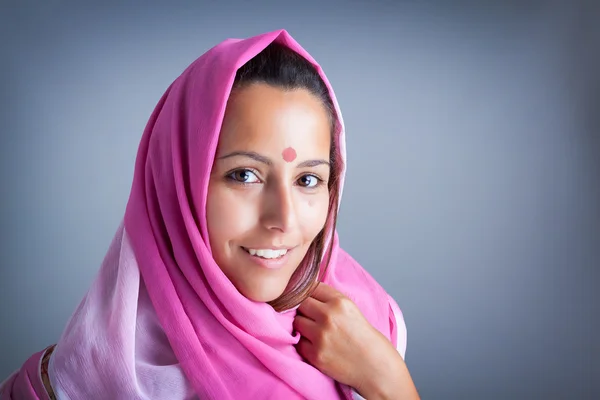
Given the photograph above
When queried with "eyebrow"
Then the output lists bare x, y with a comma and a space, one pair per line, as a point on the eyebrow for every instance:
267, 161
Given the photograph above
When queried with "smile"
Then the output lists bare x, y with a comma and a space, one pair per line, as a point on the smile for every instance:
266, 253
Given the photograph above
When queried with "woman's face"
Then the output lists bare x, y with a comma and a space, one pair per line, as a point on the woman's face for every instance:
268, 195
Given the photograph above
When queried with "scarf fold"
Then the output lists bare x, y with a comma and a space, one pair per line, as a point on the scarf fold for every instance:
161, 320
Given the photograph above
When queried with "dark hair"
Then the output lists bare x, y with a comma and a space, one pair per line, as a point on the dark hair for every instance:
281, 67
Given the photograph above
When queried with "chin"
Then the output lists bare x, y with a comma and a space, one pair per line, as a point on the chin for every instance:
262, 293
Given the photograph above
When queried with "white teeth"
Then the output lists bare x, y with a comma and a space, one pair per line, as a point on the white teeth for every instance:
267, 253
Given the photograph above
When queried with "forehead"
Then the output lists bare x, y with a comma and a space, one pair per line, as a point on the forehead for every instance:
266, 119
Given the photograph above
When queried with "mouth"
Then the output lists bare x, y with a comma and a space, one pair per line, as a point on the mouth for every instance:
268, 258
269, 254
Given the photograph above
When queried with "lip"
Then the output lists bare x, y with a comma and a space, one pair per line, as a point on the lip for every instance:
269, 263
268, 247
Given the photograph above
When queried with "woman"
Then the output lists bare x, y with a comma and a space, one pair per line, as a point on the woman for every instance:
225, 279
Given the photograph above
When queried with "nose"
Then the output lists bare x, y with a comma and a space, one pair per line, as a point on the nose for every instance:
279, 211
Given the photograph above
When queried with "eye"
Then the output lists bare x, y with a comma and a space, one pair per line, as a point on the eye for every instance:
309, 181
243, 176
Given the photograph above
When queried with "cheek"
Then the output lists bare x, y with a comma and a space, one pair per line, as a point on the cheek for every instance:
313, 214
227, 217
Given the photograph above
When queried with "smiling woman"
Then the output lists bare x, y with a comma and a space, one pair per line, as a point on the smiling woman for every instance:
259, 205
226, 279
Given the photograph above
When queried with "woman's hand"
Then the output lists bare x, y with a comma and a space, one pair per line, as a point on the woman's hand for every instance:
339, 341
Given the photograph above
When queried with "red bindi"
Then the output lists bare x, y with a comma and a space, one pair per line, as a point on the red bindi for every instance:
289, 154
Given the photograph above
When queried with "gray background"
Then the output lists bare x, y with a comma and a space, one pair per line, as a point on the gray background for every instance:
473, 192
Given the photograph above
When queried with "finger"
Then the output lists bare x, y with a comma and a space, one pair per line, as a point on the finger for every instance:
305, 349
312, 308
306, 327
325, 293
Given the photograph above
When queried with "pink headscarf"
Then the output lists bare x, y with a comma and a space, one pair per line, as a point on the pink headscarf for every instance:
161, 320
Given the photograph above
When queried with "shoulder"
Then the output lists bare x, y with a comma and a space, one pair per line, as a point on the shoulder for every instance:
397, 319
398, 327
30, 381
360, 281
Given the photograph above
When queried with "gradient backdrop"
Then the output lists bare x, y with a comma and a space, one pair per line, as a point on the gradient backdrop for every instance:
473, 190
